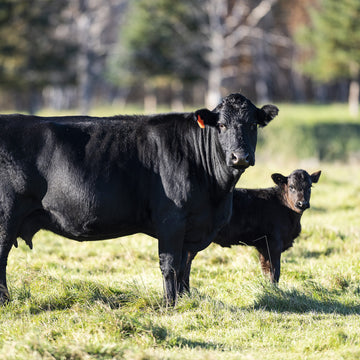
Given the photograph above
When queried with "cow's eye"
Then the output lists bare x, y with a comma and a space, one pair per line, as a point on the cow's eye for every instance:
222, 127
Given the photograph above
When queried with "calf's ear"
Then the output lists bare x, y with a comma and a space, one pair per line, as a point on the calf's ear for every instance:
266, 114
315, 176
206, 117
279, 179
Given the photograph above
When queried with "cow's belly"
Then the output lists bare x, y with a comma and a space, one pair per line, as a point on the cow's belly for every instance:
93, 227
91, 213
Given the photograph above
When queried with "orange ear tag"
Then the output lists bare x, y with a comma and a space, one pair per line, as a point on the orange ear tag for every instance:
201, 122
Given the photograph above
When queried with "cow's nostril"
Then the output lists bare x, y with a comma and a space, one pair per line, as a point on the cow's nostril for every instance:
234, 158
238, 160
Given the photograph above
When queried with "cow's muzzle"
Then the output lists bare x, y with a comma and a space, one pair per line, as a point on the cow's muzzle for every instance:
240, 160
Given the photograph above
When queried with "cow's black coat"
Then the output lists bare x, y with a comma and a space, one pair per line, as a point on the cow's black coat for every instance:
97, 178
268, 219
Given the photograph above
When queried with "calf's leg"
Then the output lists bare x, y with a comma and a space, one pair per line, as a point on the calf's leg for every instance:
270, 264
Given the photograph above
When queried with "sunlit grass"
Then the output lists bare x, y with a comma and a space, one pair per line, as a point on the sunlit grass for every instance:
315, 113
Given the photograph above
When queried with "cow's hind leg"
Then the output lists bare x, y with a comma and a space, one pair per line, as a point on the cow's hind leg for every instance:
7, 239
11, 221
5, 247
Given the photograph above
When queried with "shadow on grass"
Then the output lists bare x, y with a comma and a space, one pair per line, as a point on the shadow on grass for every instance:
325, 141
180, 342
336, 141
319, 300
315, 254
319, 209
314, 298
131, 324
271, 298
135, 302
85, 293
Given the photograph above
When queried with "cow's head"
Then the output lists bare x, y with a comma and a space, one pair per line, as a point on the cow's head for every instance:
236, 119
296, 188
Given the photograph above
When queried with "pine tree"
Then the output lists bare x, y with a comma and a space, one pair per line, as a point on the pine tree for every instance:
160, 45
330, 45
31, 55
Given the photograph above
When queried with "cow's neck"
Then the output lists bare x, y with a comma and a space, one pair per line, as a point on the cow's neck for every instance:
221, 177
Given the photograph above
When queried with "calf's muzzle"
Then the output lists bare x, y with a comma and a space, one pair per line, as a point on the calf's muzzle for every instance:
302, 205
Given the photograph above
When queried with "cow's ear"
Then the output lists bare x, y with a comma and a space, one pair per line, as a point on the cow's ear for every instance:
206, 117
266, 114
279, 179
315, 176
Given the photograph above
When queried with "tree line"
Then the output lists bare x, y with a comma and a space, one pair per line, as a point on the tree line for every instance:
71, 54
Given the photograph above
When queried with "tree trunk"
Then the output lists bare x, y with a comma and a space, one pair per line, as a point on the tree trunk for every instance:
150, 100
261, 72
216, 11
354, 91
177, 93
215, 75
85, 83
84, 64
34, 101
213, 95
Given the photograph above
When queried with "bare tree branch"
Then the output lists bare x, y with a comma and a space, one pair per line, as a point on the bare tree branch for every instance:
253, 19
236, 16
259, 12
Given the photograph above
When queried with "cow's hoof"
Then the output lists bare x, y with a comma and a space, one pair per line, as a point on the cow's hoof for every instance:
4, 295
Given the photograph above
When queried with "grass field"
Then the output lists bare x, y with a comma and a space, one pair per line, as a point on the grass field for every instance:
103, 300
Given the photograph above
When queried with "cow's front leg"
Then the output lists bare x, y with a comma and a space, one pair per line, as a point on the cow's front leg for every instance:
170, 255
184, 278
169, 271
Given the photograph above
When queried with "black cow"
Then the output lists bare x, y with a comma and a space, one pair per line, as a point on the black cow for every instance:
91, 178
268, 219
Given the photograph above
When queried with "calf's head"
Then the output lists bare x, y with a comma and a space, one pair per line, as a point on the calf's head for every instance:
296, 188
236, 120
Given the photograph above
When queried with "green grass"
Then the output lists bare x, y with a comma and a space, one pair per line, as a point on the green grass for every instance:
103, 300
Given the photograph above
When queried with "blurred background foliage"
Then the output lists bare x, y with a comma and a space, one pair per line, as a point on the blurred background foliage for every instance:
77, 54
